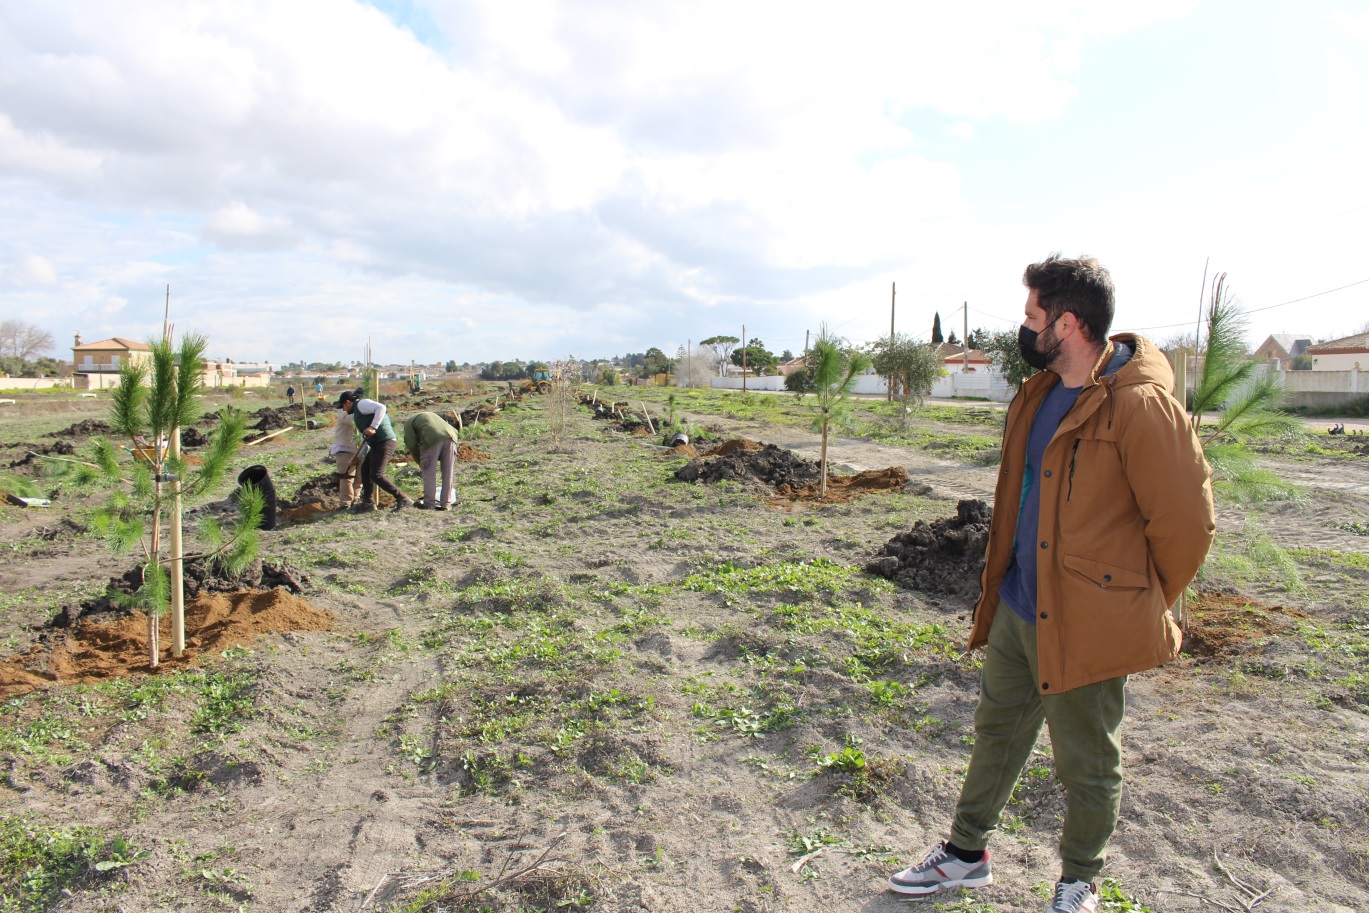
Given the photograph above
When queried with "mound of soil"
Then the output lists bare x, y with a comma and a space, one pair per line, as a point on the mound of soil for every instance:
200, 579
465, 453
944, 557
86, 428
770, 465
736, 445
193, 437
57, 448
322, 489
847, 488
269, 419
1222, 623
114, 648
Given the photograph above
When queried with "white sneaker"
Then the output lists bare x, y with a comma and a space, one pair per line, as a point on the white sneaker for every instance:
939, 871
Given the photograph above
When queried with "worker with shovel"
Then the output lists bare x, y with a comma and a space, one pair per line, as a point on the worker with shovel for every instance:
379, 442
1102, 516
432, 443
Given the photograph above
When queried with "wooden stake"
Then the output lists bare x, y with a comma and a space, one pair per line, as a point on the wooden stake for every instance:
177, 557
647, 415
269, 436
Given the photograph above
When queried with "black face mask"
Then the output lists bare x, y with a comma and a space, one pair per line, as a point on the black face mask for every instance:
1026, 343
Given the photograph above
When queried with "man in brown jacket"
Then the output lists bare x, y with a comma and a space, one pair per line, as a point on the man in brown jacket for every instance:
1102, 515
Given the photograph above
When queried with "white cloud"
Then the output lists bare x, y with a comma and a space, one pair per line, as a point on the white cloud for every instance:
236, 225
546, 164
29, 270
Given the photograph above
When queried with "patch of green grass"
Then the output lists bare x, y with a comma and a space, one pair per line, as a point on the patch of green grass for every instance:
801, 578
39, 861
1332, 559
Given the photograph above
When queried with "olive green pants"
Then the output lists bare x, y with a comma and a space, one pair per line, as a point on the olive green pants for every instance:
1084, 726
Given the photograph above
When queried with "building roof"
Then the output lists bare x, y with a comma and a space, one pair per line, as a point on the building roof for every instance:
114, 342
976, 358
1292, 343
1348, 345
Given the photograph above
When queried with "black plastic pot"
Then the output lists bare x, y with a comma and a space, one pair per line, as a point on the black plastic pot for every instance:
260, 478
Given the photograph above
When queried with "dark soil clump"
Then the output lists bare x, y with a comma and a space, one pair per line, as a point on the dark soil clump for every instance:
320, 489
770, 465
193, 437
269, 419
87, 428
57, 448
944, 557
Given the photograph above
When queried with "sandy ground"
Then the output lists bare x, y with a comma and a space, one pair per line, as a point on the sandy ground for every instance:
542, 667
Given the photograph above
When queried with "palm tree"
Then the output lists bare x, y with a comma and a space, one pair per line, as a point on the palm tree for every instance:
835, 372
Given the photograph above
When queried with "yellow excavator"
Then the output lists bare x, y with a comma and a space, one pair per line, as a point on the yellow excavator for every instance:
540, 382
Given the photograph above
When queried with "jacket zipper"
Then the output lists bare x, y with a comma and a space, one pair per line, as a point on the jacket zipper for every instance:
1074, 452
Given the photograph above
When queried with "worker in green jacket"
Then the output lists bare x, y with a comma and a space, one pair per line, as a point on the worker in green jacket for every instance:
432, 443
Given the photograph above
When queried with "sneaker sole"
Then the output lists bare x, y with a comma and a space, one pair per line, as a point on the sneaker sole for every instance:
918, 891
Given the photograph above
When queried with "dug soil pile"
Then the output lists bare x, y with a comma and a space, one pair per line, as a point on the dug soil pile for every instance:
746, 461
200, 578
791, 477
93, 651
1226, 623
32, 452
944, 557
465, 453
87, 428
847, 488
270, 419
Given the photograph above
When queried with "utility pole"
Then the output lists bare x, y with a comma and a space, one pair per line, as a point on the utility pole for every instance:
805, 343
966, 338
689, 364
743, 358
893, 294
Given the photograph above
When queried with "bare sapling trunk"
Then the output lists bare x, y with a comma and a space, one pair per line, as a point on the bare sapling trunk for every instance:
822, 490
154, 564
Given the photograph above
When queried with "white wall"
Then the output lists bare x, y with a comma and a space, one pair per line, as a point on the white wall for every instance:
32, 383
1340, 361
981, 385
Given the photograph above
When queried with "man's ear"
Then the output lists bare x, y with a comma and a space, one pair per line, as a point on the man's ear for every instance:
1067, 325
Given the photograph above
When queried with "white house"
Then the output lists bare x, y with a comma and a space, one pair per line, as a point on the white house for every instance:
1350, 353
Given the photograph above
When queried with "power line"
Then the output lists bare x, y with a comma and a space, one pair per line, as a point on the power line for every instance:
1170, 326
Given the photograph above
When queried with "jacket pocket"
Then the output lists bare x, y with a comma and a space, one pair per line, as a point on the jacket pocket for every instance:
1105, 575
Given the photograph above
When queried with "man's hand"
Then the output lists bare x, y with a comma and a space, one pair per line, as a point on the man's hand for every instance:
369, 431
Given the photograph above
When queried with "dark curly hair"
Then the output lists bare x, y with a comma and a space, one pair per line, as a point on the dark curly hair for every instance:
1082, 287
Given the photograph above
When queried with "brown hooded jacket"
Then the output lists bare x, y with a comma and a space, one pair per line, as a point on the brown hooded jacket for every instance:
1126, 521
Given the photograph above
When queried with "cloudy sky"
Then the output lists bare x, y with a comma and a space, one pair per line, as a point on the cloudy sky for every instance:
499, 179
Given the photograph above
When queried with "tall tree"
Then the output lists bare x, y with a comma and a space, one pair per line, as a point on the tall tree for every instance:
23, 340
913, 365
937, 338
757, 357
655, 362
721, 347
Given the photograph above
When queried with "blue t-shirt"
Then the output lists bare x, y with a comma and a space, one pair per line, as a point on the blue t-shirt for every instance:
1018, 589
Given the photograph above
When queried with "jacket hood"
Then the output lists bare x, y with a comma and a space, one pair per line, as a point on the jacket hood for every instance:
1148, 365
